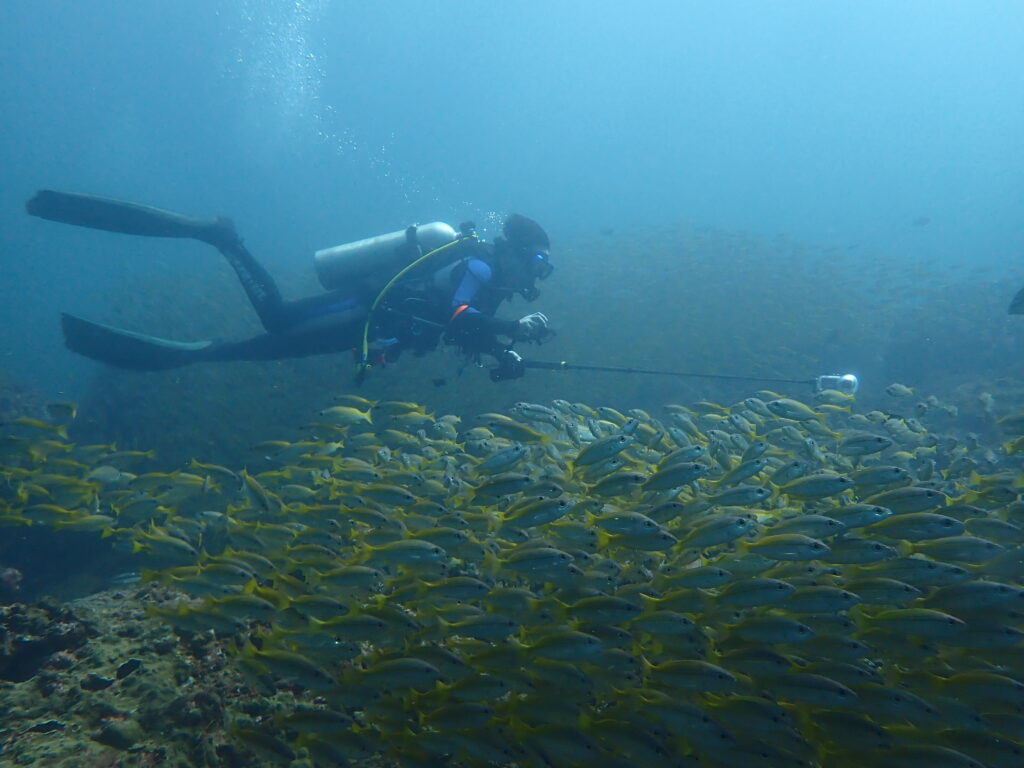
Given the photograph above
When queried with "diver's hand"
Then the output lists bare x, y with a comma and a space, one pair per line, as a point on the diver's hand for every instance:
510, 366
532, 327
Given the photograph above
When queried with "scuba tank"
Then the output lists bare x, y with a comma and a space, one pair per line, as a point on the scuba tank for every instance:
374, 260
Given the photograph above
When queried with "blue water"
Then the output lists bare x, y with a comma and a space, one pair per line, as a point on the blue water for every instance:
892, 128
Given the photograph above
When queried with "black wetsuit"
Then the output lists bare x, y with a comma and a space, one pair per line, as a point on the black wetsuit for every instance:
415, 315
456, 302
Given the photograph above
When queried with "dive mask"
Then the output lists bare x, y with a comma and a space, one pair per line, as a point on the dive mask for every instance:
539, 265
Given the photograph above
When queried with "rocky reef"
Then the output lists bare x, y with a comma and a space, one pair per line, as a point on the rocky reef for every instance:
98, 683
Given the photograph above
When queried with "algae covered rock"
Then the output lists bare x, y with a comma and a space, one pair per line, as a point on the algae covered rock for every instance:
31, 634
90, 693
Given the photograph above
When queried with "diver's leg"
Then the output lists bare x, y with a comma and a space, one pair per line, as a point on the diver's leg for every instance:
104, 213
320, 339
259, 286
277, 315
134, 219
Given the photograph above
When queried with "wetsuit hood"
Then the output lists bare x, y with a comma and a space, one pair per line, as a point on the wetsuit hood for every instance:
525, 233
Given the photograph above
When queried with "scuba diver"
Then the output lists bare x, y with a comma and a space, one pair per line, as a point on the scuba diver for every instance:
405, 290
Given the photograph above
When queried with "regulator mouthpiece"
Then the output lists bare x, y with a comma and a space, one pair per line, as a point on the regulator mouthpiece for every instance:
846, 383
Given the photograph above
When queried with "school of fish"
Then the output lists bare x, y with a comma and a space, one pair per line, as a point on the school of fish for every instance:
775, 582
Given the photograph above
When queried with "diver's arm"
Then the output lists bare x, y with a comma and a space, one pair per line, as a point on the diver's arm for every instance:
476, 332
478, 274
472, 329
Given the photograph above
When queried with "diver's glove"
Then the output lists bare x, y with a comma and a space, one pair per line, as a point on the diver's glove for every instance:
510, 366
532, 327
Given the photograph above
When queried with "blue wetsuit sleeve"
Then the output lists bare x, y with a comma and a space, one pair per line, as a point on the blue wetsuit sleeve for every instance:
474, 330
478, 274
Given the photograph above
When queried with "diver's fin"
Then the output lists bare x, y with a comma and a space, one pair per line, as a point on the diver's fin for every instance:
126, 349
1017, 305
128, 218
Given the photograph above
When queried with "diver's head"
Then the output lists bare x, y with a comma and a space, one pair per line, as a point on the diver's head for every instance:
528, 244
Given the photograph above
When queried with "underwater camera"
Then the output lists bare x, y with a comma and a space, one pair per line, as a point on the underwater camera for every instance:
846, 383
